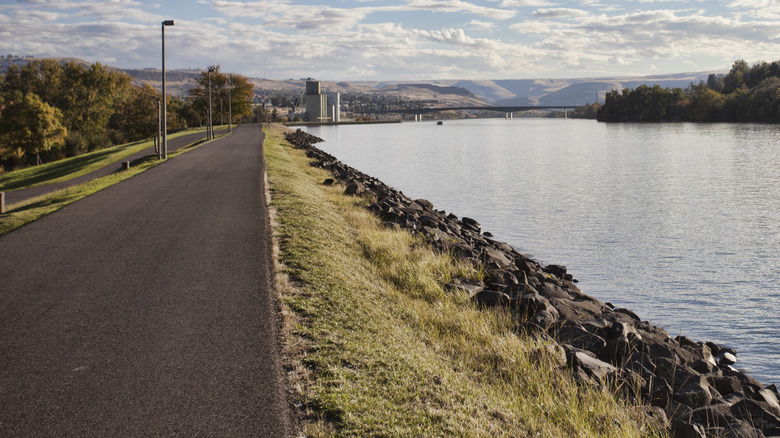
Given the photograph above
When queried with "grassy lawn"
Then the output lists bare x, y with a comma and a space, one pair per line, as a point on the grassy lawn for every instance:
74, 167
377, 347
32, 209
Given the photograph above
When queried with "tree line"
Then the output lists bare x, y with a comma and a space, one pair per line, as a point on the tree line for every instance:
745, 94
51, 110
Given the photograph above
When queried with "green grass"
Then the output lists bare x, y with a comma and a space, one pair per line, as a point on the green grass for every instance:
377, 347
25, 212
69, 168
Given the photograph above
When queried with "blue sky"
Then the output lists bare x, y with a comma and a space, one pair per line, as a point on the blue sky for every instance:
401, 40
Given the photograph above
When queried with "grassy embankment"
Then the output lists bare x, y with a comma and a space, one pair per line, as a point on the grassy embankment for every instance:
377, 346
74, 167
25, 212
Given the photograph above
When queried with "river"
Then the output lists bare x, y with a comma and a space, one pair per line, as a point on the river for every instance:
677, 222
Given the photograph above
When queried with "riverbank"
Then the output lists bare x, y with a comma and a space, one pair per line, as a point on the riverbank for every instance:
694, 383
638, 213
378, 345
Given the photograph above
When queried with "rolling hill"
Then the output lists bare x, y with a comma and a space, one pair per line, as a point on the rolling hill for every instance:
530, 92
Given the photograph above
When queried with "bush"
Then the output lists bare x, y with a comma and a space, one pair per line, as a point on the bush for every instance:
117, 137
75, 144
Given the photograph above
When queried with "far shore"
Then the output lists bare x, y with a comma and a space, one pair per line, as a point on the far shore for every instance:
351, 122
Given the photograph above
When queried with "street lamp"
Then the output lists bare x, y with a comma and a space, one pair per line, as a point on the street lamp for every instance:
158, 140
230, 105
164, 145
211, 127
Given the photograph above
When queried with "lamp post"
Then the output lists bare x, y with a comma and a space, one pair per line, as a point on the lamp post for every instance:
211, 127
230, 104
164, 143
158, 140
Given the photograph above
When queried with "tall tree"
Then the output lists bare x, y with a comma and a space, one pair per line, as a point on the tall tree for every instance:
29, 125
200, 93
715, 82
41, 76
736, 76
188, 113
706, 104
240, 94
89, 99
137, 116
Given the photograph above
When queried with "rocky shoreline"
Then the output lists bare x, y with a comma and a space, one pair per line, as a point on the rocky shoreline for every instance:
692, 387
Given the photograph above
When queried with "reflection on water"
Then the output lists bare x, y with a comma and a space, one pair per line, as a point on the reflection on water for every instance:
678, 222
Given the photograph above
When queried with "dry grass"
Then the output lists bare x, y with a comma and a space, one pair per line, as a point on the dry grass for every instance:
377, 347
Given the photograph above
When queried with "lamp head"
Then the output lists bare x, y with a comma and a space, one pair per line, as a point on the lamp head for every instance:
167, 23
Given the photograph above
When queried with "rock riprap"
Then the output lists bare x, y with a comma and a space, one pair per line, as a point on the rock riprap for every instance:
692, 386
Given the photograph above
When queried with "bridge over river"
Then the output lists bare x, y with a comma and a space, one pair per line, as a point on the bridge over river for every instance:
507, 110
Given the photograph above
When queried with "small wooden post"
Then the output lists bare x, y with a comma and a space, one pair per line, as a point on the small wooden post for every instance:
125, 165
2, 202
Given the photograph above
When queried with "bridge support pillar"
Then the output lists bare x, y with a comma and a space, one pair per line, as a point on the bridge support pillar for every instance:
565, 113
508, 116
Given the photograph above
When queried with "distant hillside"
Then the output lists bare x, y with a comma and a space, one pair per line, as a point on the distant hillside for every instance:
574, 91
19, 61
177, 82
440, 95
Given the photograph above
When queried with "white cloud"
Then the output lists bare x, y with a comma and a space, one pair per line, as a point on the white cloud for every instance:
453, 36
37, 16
334, 41
101, 10
532, 27
753, 4
308, 17
758, 9
658, 35
522, 3
559, 13
458, 6
483, 25
283, 14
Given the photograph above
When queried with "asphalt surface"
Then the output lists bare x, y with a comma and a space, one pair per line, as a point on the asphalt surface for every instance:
15, 196
146, 308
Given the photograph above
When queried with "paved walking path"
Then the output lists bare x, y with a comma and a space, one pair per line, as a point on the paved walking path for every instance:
146, 308
15, 196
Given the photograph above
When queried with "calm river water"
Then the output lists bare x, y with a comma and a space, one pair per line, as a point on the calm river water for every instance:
678, 222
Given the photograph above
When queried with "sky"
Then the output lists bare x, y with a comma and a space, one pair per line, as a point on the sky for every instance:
379, 40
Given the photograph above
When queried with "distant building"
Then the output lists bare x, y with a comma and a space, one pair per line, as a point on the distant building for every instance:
316, 103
